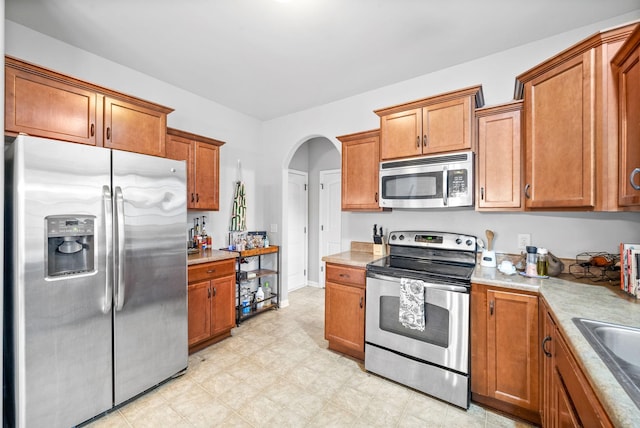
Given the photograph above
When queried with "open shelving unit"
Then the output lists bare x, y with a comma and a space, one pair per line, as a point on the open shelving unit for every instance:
259, 276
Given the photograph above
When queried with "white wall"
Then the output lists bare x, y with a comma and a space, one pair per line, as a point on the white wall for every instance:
265, 149
565, 234
192, 113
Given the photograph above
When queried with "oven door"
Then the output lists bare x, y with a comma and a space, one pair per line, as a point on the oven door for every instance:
445, 340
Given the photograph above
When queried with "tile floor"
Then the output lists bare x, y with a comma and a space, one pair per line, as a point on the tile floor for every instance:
276, 371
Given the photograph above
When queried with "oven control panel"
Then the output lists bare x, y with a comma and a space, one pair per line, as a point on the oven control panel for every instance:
444, 240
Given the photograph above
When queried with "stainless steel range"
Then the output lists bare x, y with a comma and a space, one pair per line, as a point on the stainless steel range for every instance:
417, 318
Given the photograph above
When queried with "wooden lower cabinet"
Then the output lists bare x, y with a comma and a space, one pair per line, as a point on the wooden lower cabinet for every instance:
211, 297
345, 309
504, 351
568, 399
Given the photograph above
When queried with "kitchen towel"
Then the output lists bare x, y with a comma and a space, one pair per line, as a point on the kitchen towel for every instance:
412, 304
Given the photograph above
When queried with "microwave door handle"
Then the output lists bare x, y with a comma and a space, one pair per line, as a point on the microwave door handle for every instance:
445, 185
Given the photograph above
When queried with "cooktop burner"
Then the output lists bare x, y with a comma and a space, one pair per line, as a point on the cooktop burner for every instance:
436, 256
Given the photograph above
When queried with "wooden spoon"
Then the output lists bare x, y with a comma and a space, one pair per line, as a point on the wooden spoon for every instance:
489, 239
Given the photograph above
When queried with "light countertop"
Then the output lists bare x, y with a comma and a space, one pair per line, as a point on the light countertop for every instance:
210, 255
566, 299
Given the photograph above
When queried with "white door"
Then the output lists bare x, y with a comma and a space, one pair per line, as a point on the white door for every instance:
330, 216
297, 203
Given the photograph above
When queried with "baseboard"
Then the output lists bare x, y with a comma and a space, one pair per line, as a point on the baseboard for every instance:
284, 303
313, 284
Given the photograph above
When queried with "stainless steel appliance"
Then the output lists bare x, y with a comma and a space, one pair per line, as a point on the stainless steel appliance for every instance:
436, 359
95, 279
434, 181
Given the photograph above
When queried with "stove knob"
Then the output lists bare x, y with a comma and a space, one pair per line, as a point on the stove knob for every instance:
458, 241
402, 237
469, 242
393, 237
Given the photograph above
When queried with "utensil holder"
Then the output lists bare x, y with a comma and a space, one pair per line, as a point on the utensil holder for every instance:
488, 258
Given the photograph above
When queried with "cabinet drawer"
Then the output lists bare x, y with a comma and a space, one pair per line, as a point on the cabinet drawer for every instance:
211, 270
346, 275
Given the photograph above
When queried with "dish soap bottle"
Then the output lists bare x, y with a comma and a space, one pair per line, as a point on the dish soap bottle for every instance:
259, 297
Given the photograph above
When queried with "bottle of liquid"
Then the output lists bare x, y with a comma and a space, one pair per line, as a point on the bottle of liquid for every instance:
259, 297
266, 241
532, 261
245, 301
542, 261
267, 293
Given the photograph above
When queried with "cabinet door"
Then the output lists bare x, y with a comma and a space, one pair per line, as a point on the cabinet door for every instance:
182, 149
134, 128
512, 348
499, 161
629, 114
560, 139
360, 172
199, 311
206, 176
344, 316
401, 134
446, 126
223, 317
549, 409
48, 108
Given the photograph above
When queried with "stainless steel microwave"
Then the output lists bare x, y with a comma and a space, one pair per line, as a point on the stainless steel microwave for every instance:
435, 181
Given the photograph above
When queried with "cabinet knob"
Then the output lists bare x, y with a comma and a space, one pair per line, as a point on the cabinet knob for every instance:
544, 349
215, 291
632, 178
108, 133
491, 307
93, 130
209, 292
361, 302
376, 196
193, 198
211, 271
425, 141
344, 275
482, 193
197, 197
526, 191
418, 142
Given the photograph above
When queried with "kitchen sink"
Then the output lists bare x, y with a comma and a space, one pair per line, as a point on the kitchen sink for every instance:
619, 348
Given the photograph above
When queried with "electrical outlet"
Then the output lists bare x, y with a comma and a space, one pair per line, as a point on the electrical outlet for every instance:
524, 240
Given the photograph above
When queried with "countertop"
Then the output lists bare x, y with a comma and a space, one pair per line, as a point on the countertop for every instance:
567, 299
210, 255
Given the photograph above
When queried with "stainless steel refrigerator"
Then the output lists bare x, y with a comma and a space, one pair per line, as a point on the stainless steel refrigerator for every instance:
95, 279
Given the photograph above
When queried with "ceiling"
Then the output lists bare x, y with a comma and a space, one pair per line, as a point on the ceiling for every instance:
269, 58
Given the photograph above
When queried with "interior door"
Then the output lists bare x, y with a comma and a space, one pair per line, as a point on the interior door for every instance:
330, 216
150, 306
297, 233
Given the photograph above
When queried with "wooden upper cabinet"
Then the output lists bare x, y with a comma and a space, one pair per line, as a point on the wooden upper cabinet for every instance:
627, 69
499, 157
360, 171
203, 167
571, 122
48, 108
44, 103
134, 128
442, 123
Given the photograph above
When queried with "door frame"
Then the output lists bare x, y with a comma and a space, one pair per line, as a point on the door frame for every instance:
321, 241
305, 174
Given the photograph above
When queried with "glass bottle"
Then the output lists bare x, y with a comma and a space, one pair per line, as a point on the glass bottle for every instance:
532, 259
542, 261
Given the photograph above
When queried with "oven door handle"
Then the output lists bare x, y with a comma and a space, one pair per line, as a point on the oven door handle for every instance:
444, 287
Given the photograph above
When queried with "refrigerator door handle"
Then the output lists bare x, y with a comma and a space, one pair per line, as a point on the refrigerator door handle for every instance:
108, 229
119, 218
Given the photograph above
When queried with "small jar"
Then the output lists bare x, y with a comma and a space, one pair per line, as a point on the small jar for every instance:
532, 260
542, 262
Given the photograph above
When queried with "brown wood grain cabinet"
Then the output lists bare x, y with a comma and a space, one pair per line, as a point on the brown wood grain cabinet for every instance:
360, 171
504, 351
571, 123
344, 316
203, 167
44, 103
437, 124
568, 398
627, 69
211, 300
499, 158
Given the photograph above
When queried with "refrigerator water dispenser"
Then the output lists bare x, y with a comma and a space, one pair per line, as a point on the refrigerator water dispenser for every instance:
70, 245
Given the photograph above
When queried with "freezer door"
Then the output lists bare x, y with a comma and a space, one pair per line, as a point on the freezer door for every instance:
150, 290
60, 329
